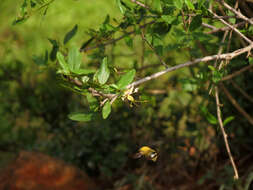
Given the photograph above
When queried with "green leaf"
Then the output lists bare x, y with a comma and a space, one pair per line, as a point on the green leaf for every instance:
168, 18
189, 84
104, 72
85, 79
228, 119
129, 41
78, 116
106, 110
178, 3
121, 7
126, 79
23, 14
189, 4
85, 44
217, 76
210, 117
196, 22
211, 67
19, 20
159, 50
62, 62
250, 60
93, 102
84, 71
70, 34
33, 4
74, 59
156, 6
54, 50
114, 86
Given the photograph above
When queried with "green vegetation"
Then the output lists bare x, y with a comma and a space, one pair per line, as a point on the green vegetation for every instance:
92, 82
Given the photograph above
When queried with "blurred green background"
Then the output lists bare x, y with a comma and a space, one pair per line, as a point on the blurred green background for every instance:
34, 109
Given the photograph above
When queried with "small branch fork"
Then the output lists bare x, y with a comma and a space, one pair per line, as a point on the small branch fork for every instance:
236, 176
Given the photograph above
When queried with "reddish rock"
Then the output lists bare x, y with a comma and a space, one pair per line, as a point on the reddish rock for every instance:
37, 171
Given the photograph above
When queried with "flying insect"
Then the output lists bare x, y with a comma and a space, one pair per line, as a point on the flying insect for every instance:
147, 152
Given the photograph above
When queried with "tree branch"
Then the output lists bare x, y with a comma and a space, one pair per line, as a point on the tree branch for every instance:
224, 133
116, 39
189, 63
140, 4
153, 49
233, 28
236, 73
94, 92
223, 28
239, 14
241, 91
236, 105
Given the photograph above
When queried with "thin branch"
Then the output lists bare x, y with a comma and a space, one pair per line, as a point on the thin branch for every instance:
219, 52
233, 28
211, 27
158, 56
94, 92
116, 39
236, 105
239, 14
184, 22
149, 66
224, 17
221, 46
223, 28
224, 133
189, 63
140, 4
114, 98
236, 73
245, 94
46, 4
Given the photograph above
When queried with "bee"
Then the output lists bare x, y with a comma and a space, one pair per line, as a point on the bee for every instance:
147, 152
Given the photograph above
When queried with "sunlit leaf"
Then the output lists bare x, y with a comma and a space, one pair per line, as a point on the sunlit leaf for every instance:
178, 3
126, 79
106, 110
104, 72
62, 63
210, 117
121, 7
189, 4
156, 6
74, 58
228, 119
